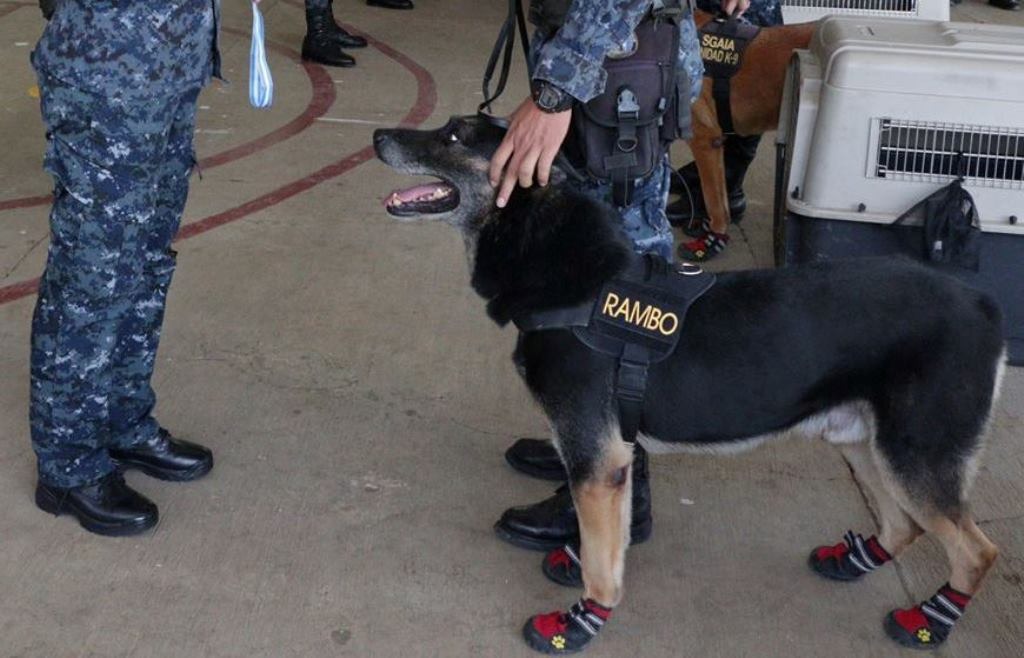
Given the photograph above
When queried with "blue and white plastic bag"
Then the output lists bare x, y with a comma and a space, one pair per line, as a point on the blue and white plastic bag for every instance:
261, 83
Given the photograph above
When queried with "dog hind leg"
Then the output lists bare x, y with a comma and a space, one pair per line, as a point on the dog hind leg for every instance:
936, 501
852, 430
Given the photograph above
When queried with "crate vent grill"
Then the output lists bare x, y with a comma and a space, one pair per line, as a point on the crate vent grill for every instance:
935, 152
858, 7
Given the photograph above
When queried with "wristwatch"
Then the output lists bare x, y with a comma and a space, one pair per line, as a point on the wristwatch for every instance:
550, 98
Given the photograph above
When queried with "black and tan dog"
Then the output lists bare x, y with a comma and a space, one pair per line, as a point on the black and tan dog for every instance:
896, 365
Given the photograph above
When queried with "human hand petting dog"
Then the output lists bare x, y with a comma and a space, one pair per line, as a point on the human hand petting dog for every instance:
735, 7
529, 148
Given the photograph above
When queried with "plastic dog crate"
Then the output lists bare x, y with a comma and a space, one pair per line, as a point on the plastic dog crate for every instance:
879, 113
804, 11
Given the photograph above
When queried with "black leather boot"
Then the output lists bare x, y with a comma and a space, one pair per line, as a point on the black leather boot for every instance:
737, 152
391, 4
536, 458
344, 38
1005, 4
166, 458
108, 507
552, 522
320, 45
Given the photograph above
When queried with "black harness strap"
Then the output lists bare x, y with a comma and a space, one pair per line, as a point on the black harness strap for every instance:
637, 319
722, 42
721, 91
630, 389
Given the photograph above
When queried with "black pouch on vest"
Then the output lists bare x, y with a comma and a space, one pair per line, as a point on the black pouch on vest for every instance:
951, 229
622, 134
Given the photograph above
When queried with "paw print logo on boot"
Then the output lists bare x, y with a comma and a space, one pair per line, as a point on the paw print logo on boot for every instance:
561, 633
924, 635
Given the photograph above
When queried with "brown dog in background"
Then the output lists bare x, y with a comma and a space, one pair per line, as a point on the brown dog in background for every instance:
756, 98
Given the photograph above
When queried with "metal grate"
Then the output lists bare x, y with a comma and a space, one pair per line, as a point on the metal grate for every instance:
861, 7
935, 152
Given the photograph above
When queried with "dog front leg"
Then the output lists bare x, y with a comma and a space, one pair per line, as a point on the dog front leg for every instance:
603, 502
706, 146
602, 494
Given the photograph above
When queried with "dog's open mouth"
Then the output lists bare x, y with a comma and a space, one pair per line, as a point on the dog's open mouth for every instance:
429, 199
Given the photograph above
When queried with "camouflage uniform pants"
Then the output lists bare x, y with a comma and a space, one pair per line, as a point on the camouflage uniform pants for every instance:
121, 179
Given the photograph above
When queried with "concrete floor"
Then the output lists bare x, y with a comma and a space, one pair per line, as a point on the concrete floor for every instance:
359, 401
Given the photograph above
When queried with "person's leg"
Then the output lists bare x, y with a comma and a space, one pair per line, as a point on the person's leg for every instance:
101, 158
324, 38
137, 440
138, 337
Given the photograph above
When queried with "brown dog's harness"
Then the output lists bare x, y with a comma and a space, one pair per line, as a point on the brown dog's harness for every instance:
722, 42
637, 318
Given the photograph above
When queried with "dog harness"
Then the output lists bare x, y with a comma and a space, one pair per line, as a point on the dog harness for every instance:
637, 318
722, 42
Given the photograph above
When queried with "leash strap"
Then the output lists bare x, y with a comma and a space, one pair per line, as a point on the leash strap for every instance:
504, 47
261, 83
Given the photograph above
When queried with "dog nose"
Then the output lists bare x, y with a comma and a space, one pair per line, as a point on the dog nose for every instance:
381, 137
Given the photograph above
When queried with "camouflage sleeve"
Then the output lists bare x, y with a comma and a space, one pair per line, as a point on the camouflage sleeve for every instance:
573, 58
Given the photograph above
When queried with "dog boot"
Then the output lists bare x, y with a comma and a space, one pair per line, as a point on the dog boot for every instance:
851, 559
320, 45
340, 34
552, 522
704, 247
560, 633
562, 566
927, 625
536, 458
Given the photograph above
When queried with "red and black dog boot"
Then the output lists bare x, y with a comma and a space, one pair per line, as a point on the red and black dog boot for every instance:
704, 247
562, 566
561, 633
927, 625
850, 559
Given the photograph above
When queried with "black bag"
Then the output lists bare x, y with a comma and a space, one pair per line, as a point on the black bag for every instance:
951, 229
623, 133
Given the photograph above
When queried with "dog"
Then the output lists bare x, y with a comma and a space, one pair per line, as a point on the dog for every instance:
755, 101
895, 364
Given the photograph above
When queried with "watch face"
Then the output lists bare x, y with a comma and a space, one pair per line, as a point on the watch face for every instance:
548, 98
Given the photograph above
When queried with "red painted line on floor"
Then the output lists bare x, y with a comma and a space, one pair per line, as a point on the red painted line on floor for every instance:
11, 7
426, 100
324, 94
18, 290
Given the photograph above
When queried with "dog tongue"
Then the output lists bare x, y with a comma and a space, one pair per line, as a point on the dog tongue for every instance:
418, 192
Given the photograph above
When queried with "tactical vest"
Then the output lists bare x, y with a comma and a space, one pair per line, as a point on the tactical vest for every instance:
637, 318
722, 42
622, 135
